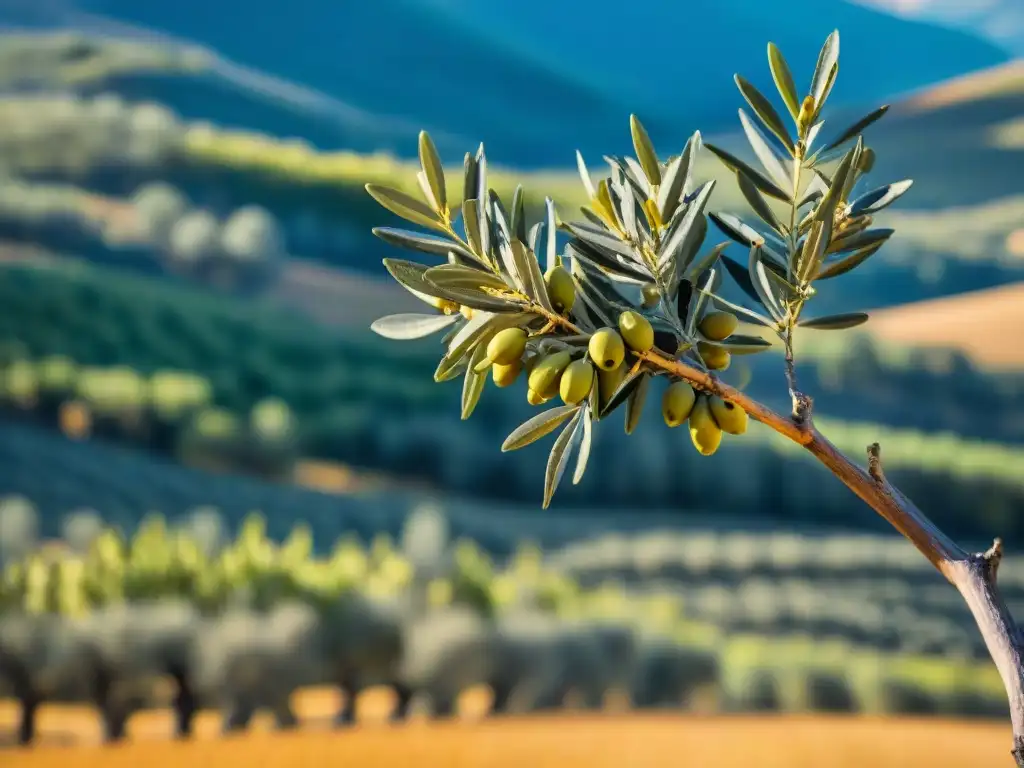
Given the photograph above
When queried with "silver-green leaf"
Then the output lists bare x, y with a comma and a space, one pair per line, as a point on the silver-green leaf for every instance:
405, 206
783, 80
765, 152
432, 169
473, 383
836, 322
538, 426
765, 111
583, 455
645, 151
828, 60
411, 325
635, 403
559, 456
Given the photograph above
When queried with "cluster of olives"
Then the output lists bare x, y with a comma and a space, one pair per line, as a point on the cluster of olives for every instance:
567, 374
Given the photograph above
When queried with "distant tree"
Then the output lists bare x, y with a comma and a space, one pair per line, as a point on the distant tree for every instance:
633, 298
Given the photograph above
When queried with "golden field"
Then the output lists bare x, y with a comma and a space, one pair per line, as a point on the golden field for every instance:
563, 741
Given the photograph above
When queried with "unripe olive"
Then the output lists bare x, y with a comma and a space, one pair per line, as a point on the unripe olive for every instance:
651, 294
704, 432
561, 288
728, 416
504, 375
577, 380
715, 358
546, 373
718, 326
607, 349
535, 398
608, 382
636, 331
677, 402
867, 160
467, 312
507, 346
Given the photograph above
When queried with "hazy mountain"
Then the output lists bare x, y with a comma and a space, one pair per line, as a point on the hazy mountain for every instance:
677, 59
534, 80
1001, 21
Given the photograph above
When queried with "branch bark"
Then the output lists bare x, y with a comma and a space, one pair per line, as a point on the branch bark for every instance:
972, 574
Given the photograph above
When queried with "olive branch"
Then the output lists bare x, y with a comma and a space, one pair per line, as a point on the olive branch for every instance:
634, 295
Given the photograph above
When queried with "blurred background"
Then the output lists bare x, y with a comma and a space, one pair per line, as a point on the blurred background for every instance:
192, 406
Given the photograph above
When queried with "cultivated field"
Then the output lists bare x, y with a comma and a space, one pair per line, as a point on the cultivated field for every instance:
566, 741
976, 323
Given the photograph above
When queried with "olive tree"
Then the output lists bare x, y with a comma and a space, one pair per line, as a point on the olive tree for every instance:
634, 295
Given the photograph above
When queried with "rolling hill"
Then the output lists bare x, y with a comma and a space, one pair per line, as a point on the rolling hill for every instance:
986, 325
535, 83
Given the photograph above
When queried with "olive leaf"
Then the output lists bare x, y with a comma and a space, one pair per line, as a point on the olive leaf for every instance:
825, 70
449, 276
708, 260
706, 285
415, 241
645, 151
449, 369
405, 206
617, 269
433, 171
411, 325
812, 252
764, 284
589, 296
738, 344
836, 322
551, 230
533, 237
470, 177
471, 223
473, 383
538, 426
827, 207
471, 333
765, 152
733, 163
860, 240
674, 180
746, 314
877, 199
588, 183
857, 127
559, 456
409, 275
783, 80
734, 228
625, 389
635, 402
638, 178
686, 237
583, 455
517, 225
765, 111
533, 278
757, 202
599, 239
847, 263
812, 134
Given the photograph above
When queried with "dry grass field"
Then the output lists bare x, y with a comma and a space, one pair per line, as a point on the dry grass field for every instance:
984, 324
564, 741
